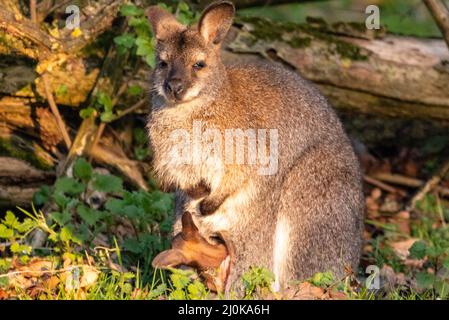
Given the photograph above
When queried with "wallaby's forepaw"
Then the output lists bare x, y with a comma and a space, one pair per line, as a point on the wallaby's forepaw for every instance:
199, 191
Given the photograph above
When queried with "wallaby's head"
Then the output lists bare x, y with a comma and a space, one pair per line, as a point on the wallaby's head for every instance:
188, 63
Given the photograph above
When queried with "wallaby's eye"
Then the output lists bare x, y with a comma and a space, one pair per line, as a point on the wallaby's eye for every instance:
199, 65
162, 64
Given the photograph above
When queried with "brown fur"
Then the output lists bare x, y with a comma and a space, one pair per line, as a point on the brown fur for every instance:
189, 248
306, 218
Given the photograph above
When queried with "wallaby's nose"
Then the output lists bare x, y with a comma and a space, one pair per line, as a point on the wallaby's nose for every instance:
175, 86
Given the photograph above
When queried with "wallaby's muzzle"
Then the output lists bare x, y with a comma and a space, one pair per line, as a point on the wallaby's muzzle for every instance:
174, 88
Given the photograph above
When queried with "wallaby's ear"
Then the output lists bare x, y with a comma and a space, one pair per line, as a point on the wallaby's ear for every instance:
169, 258
189, 229
162, 22
216, 21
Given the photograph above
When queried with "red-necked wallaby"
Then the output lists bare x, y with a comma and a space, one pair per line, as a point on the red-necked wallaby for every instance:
252, 150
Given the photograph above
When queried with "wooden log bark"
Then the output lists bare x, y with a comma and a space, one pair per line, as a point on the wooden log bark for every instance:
358, 71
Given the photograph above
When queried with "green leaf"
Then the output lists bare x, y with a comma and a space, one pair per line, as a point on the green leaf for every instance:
179, 280
5, 232
141, 26
151, 60
107, 116
41, 197
26, 225
20, 248
11, 220
67, 235
90, 216
446, 263
160, 290
114, 205
177, 295
196, 290
125, 40
418, 250
144, 46
105, 100
131, 10
69, 186
323, 279
133, 245
442, 288
87, 112
182, 6
107, 183
61, 90
135, 90
60, 199
425, 280
61, 218
82, 169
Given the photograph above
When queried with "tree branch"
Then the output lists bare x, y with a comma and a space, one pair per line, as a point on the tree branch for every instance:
440, 13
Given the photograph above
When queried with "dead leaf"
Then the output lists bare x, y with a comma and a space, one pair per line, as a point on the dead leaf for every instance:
89, 277
401, 248
3, 294
36, 267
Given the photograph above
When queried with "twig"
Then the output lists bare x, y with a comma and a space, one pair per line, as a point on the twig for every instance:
399, 179
383, 186
33, 11
440, 13
429, 185
440, 211
53, 271
407, 182
55, 111
102, 125
131, 109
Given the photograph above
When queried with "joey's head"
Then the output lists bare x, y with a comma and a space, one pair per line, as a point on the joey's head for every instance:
188, 63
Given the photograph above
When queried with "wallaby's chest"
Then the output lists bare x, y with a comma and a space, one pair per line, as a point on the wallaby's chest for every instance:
177, 138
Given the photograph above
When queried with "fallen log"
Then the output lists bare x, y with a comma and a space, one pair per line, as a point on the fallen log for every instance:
358, 70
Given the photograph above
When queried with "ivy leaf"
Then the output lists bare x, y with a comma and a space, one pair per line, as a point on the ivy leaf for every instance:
107, 183
5, 232
69, 186
418, 250
82, 169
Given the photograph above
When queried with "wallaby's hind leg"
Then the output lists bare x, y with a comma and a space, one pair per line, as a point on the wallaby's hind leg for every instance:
320, 217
